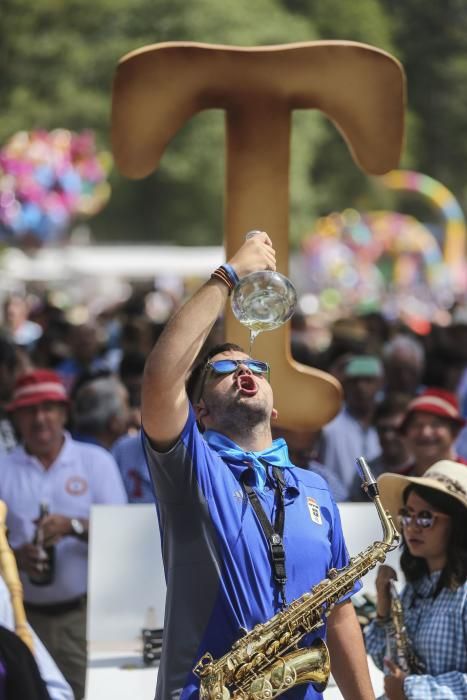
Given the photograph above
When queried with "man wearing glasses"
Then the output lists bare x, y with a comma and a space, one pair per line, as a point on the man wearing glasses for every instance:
244, 532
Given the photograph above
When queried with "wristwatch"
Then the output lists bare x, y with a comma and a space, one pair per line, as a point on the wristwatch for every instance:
77, 527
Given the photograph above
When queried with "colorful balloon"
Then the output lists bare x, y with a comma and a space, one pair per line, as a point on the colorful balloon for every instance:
384, 260
46, 180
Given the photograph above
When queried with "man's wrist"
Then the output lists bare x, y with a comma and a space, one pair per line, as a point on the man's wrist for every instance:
231, 272
227, 275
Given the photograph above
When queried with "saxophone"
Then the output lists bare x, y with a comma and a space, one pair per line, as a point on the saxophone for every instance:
399, 643
9, 572
267, 661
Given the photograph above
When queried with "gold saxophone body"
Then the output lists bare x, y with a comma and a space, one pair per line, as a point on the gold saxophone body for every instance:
9, 573
268, 661
401, 650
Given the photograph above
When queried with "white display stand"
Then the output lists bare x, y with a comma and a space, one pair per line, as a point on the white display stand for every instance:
126, 578
362, 527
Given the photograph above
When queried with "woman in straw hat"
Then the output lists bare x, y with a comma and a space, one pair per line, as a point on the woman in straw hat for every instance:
431, 514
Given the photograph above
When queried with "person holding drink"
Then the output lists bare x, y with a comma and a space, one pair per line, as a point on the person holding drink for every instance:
222, 486
425, 629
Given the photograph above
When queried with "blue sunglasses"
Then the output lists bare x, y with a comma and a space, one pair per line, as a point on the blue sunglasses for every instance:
220, 367
229, 366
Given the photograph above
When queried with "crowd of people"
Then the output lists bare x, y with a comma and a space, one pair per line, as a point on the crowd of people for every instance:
74, 397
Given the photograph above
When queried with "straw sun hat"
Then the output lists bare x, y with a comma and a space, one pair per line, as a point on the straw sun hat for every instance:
446, 476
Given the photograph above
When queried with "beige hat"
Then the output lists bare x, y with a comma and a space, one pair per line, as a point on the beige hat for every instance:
446, 476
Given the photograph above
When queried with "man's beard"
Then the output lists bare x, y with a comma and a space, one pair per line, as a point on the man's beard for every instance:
236, 416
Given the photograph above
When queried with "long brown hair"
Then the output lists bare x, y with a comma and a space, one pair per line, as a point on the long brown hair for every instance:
454, 573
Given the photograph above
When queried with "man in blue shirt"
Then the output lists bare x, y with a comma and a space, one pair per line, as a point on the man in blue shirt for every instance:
210, 459
128, 452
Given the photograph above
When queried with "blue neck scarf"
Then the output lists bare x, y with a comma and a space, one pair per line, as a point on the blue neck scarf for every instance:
277, 455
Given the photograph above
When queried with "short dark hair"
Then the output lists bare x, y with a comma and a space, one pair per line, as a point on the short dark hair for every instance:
8, 355
194, 380
454, 573
395, 402
131, 364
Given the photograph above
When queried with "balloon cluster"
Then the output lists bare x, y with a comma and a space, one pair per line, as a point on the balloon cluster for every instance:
47, 179
382, 260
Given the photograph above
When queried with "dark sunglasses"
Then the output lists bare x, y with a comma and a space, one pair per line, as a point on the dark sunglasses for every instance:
425, 519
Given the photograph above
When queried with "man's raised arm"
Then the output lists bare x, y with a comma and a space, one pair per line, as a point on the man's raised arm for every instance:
164, 400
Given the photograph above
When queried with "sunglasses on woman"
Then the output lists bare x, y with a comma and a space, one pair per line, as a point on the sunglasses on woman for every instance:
425, 519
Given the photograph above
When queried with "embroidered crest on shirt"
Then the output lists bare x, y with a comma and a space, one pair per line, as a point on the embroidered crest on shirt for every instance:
315, 512
76, 485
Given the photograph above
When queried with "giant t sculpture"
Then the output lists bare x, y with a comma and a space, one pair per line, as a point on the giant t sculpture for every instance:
158, 88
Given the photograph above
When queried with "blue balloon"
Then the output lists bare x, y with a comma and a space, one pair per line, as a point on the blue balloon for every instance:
31, 216
70, 181
45, 176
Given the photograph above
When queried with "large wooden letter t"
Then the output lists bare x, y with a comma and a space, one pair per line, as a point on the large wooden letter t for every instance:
360, 88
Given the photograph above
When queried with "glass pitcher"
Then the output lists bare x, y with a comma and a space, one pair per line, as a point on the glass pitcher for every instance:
263, 300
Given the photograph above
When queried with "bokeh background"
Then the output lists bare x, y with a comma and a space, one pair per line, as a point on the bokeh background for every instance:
358, 243
56, 69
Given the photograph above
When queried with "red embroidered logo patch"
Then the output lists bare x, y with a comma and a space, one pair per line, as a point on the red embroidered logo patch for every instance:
76, 486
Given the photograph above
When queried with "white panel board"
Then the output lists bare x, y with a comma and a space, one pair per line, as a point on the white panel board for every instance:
362, 527
126, 575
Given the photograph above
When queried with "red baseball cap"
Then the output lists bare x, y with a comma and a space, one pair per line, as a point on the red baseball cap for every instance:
37, 386
438, 402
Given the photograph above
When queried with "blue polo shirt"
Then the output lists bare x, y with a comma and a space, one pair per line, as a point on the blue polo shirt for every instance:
216, 557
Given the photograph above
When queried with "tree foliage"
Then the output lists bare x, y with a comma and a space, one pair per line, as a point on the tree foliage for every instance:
58, 57
433, 42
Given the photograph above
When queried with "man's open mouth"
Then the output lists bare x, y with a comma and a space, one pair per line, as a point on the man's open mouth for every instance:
246, 384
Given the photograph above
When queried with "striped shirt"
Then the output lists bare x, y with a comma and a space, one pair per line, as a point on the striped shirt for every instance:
437, 628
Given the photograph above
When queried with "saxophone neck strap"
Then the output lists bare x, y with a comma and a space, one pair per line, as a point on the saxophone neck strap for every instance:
274, 534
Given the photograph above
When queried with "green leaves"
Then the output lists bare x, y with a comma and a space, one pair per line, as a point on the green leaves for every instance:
58, 57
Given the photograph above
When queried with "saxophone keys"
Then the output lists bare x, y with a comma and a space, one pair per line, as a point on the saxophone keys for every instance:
257, 660
273, 648
283, 677
260, 689
204, 666
242, 671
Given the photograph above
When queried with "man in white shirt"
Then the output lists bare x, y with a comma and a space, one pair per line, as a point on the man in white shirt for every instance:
49, 467
352, 433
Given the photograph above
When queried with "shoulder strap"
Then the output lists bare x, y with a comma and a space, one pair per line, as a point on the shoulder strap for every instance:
274, 535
